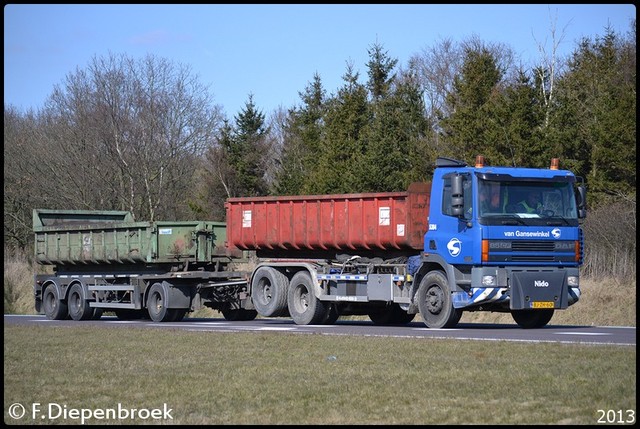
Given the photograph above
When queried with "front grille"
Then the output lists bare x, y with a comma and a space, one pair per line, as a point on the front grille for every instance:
533, 246
532, 251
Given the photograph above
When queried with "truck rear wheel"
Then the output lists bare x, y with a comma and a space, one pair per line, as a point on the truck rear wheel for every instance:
54, 308
157, 304
269, 292
304, 307
79, 308
435, 303
532, 319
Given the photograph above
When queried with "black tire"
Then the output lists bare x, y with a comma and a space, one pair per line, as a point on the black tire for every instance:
532, 319
401, 317
54, 308
269, 292
332, 315
304, 307
435, 302
157, 304
79, 308
176, 314
390, 315
239, 314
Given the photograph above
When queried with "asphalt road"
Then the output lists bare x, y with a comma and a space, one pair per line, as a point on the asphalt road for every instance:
590, 335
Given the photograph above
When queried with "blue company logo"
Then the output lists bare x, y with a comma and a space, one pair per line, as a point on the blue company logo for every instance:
454, 246
555, 232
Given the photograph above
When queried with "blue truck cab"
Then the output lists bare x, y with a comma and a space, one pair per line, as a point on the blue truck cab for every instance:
504, 239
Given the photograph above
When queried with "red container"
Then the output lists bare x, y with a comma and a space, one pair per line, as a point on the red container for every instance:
371, 221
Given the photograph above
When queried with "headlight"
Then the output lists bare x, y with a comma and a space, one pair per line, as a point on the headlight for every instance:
573, 281
489, 281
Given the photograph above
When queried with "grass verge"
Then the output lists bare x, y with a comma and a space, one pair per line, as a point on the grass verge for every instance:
276, 378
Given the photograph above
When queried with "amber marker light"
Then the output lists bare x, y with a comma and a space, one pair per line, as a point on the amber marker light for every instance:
485, 250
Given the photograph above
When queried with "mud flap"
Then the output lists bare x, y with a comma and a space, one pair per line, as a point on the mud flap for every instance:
539, 290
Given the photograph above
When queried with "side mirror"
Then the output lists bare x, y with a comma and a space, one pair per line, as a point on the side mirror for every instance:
581, 201
457, 197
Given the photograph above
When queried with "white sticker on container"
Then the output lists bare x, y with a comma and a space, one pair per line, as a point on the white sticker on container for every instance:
400, 230
384, 214
246, 219
165, 231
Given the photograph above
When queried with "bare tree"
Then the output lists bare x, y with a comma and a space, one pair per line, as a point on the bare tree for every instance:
435, 67
127, 134
20, 194
548, 68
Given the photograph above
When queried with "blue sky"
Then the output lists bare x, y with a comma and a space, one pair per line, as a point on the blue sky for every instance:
271, 51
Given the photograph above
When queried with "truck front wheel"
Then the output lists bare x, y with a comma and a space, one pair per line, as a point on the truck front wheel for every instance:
304, 307
435, 303
54, 307
532, 319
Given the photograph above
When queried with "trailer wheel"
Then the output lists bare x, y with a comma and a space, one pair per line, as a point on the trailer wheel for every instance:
79, 308
54, 308
532, 319
304, 307
157, 304
435, 303
269, 292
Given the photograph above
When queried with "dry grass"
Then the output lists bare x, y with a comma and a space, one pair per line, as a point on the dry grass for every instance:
602, 303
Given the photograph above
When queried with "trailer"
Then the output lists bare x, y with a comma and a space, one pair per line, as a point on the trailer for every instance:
104, 261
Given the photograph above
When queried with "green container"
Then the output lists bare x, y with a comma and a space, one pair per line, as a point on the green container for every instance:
112, 237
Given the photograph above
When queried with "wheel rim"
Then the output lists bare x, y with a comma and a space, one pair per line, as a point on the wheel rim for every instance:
302, 299
435, 300
265, 292
50, 302
156, 301
74, 302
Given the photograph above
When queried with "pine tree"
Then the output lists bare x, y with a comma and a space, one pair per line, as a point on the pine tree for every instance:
596, 119
247, 149
470, 129
303, 131
340, 148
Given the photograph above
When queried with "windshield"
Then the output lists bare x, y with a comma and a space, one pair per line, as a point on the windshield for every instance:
526, 200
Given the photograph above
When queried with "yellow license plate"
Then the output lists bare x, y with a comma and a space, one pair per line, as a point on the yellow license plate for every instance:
542, 304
